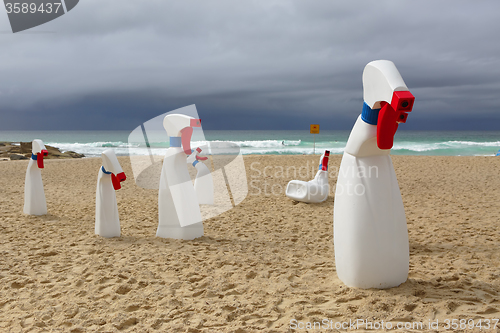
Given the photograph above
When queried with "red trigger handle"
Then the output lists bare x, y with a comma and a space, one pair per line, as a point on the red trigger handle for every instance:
186, 139
391, 115
116, 180
39, 158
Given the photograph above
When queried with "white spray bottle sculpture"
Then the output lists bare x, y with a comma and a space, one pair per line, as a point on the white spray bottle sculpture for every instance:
313, 191
107, 220
178, 207
370, 233
34, 196
203, 183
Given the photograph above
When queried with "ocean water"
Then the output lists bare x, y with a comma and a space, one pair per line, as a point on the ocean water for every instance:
92, 143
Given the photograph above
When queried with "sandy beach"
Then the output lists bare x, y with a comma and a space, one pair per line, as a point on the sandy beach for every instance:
260, 266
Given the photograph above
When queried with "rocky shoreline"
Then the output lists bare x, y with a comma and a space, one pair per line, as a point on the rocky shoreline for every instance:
22, 151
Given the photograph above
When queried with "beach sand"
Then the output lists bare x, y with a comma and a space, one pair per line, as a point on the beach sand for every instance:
259, 266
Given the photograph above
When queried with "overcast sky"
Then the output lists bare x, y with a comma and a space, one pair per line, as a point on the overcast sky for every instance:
256, 64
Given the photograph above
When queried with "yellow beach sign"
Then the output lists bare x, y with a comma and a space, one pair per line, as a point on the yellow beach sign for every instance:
314, 128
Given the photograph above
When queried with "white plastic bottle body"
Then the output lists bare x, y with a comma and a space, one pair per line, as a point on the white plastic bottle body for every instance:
318, 188
178, 208
34, 195
321, 177
370, 232
107, 220
204, 184
313, 191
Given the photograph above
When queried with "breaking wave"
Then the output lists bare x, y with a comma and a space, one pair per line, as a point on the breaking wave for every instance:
287, 147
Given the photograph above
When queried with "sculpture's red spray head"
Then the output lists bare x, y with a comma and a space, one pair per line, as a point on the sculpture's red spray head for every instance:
110, 165
180, 125
39, 158
186, 134
38, 151
116, 180
324, 162
200, 158
195, 123
391, 115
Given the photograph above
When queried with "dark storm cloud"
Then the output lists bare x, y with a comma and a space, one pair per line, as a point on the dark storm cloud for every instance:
249, 64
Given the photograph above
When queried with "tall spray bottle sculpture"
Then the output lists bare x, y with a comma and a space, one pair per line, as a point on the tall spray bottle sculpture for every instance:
203, 183
107, 220
370, 233
178, 207
34, 196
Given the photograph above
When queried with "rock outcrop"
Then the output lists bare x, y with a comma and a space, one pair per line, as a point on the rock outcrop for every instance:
22, 150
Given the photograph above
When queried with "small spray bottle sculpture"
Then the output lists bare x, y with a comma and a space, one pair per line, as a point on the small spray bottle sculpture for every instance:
313, 191
178, 207
203, 183
370, 233
34, 196
107, 220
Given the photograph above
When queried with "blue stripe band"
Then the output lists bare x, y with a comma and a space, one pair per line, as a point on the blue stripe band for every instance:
369, 115
195, 162
34, 157
175, 141
104, 170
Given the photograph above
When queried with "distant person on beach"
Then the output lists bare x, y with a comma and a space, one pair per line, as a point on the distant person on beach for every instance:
283, 143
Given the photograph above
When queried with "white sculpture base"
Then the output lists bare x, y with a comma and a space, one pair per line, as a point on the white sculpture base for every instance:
107, 220
204, 185
313, 191
178, 208
34, 195
370, 233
